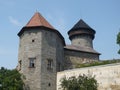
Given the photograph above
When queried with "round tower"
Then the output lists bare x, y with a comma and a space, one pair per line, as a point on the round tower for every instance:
82, 35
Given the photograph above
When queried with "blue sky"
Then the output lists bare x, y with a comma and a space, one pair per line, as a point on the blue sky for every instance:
101, 15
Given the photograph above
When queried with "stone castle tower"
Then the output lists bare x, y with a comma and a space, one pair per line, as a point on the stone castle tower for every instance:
40, 54
82, 35
43, 52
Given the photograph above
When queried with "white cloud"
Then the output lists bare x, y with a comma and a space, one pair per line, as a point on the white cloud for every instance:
14, 21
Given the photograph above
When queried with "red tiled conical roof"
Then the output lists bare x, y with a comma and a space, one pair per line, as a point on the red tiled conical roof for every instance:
38, 20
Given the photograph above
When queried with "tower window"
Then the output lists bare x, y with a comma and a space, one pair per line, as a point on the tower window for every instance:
32, 62
49, 84
33, 40
49, 64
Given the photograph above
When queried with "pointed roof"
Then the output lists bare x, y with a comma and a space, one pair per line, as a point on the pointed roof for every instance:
81, 24
38, 20
81, 28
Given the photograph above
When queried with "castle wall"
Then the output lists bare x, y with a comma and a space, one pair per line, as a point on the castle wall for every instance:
73, 58
107, 76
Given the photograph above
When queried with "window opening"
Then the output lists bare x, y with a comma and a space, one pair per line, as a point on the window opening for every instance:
49, 84
49, 64
33, 40
32, 62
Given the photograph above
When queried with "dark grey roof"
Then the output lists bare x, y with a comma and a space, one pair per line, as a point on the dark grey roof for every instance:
81, 49
81, 24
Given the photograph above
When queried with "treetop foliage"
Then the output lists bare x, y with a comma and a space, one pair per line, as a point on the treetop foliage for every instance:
118, 41
10, 79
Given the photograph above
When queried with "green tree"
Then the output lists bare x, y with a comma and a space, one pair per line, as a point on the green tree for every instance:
118, 41
10, 79
82, 82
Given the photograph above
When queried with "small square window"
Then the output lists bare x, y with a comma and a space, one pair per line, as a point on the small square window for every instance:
33, 40
32, 62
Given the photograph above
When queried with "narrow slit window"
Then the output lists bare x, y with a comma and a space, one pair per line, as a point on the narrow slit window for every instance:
49, 84
49, 64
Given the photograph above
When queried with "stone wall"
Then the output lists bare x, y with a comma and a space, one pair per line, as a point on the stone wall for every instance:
30, 47
73, 58
82, 40
46, 48
107, 76
52, 49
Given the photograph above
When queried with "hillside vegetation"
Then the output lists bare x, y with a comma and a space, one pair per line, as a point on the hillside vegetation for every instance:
97, 63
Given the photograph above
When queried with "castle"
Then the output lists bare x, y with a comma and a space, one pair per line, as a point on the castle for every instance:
43, 51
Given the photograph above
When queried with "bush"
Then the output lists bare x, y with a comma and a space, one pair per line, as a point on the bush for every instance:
82, 82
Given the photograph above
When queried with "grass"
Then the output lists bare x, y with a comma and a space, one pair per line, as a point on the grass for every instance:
97, 63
